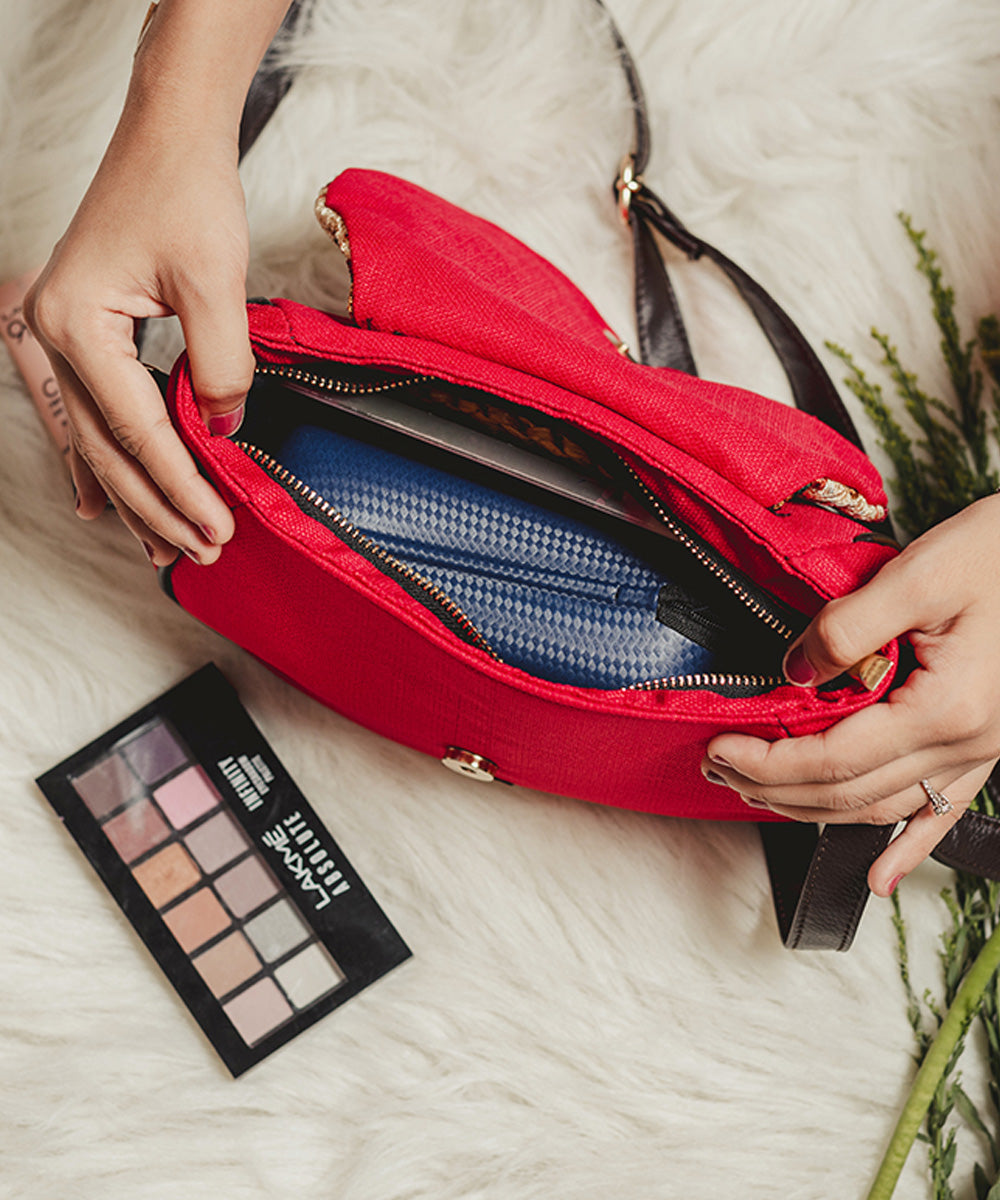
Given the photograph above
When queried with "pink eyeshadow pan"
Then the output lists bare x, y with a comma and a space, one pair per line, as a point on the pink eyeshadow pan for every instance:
217, 842
196, 920
258, 1010
186, 797
138, 829
246, 887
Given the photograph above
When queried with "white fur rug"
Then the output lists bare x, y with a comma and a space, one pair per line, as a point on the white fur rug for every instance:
598, 1002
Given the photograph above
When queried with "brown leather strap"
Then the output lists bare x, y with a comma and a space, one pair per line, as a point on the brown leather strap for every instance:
818, 879
270, 83
973, 846
812, 389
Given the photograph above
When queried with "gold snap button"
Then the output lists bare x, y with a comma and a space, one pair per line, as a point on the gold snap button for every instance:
472, 766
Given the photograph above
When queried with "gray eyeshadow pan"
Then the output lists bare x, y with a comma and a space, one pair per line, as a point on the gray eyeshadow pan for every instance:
154, 753
276, 930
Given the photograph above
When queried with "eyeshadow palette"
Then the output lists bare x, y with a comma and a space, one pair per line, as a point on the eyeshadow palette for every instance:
211, 850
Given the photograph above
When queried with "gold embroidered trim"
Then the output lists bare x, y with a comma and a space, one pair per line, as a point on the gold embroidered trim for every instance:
843, 498
333, 224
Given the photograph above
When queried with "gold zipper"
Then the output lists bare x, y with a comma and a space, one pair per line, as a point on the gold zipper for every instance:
342, 387
709, 680
770, 619
373, 550
369, 548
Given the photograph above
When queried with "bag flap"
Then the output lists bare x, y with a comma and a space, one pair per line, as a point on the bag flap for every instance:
423, 267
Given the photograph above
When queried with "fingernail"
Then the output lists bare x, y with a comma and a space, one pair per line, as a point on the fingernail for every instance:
713, 777
798, 669
208, 533
226, 423
753, 803
191, 555
722, 762
150, 552
893, 883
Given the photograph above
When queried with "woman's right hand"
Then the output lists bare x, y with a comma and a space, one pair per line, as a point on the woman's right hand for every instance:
162, 230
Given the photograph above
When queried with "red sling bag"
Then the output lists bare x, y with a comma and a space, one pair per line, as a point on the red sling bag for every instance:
771, 509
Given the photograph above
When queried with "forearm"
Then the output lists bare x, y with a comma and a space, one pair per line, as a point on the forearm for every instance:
196, 60
162, 230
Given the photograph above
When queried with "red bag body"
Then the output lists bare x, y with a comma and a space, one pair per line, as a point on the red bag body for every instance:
440, 292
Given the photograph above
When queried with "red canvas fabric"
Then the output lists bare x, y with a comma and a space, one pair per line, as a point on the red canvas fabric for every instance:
439, 291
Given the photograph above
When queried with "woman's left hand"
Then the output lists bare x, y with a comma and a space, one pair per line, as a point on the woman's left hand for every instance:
941, 726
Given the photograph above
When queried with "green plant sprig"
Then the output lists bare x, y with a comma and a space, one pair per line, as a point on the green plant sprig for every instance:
940, 468
939, 1059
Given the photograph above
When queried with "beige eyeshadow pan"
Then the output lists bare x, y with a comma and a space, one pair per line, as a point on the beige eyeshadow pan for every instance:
246, 886
258, 1010
216, 842
227, 964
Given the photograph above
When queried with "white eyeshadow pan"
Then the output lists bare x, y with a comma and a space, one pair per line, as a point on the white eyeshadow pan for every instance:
310, 974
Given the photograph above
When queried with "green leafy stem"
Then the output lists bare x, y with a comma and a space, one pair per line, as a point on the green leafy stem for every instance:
942, 464
938, 1061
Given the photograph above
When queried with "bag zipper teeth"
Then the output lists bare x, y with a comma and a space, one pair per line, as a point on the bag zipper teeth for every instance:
672, 682
373, 549
341, 386
770, 619
679, 682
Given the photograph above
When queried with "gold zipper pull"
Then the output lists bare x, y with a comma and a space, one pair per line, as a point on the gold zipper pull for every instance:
871, 671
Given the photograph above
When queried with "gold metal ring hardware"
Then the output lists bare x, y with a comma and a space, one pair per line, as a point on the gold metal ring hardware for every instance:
626, 185
472, 766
